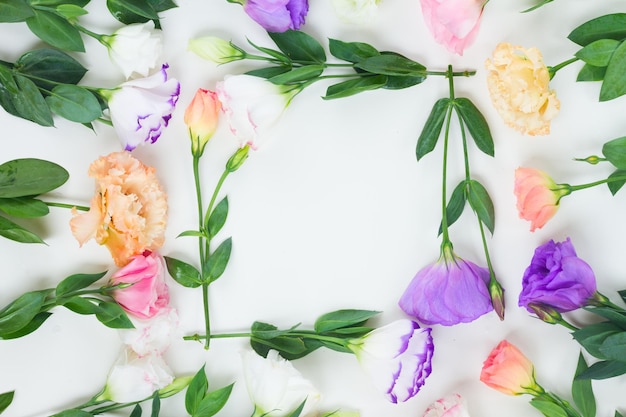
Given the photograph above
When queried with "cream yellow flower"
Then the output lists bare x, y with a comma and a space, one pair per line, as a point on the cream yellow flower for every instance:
128, 213
518, 84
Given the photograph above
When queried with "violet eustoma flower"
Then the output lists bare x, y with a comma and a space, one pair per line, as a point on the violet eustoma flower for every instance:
449, 291
140, 109
557, 278
277, 15
397, 358
453, 23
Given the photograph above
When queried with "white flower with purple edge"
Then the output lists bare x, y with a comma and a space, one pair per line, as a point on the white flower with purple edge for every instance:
135, 48
140, 109
397, 357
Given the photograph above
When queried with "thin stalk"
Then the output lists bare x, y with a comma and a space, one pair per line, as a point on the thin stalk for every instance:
573, 188
553, 70
449, 73
445, 241
303, 334
68, 206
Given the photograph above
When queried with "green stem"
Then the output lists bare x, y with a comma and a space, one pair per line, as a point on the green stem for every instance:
196, 178
63, 205
303, 334
445, 241
97, 36
553, 70
449, 73
573, 188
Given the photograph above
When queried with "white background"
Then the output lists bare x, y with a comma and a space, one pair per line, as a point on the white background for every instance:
333, 212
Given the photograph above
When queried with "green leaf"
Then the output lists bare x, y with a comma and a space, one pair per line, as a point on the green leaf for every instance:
73, 413
480, 201
183, 273
355, 86
192, 233
217, 261
136, 411
615, 151
618, 414
77, 282
55, 30
610, 26
81, 305
33, 325
217, 218
74, 103
615, 181
50, 64
29, 103
267, 331
592, 336
622, 294
351, 51
21, 311
132, 11
432, 128
162, 5
342, 318
591, 73
268, 72
14, 11
455, 206
582, 391
29, 177
299, 46
297, 345
213, 402
614, 84
70, 11
298, 410
6, 398
53, 3
156, 405
616, 317
614, 347
195, 391
476, 124
603, 370
392, 64
548, 408
112, 315
598, 53
24, 207
298, 75
17, 233
274, 54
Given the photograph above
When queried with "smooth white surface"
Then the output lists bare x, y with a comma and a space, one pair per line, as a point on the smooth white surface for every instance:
334, 212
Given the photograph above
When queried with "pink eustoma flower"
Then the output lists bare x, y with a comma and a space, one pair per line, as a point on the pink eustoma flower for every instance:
453, 23
148, 294
507, 370
201, 117
537, 195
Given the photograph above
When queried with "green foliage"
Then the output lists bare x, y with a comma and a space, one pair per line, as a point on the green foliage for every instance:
183, 273
199, 402
217, 261
611, 26
476, 124
432, 128
548, 408
6, 398
480, 201
456, 204
582, 391
342, 318
355, 86
299, 47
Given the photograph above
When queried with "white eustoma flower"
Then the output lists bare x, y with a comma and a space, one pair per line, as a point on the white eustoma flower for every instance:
136, 48
252, 105
135, 378
214, 49
397, 357
140, 109
355, 11
452, 405
276, 387
152, 336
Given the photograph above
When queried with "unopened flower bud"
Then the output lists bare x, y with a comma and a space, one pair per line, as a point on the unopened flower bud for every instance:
216, 49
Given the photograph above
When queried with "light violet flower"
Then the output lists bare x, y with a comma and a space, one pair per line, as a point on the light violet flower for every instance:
275, 387
557, 278
355, 11
453, 23
276, 15
148, 294
449, 291
135, 378
135, 48
128, 212
452, 405
201, 117
140, 109
537, 196
152, 336
216, 50
518, 82
397, 357
507, 370
252, 105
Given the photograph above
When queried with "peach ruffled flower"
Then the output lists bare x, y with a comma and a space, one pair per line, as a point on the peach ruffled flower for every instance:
128, 213
518, 84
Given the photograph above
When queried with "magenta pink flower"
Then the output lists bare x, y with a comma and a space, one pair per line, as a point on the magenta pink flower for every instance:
148, 293
453, 23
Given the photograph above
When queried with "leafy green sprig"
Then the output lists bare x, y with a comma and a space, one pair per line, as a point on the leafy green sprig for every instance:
30, 310
613, 152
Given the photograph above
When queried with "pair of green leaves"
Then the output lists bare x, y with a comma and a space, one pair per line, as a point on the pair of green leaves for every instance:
54, 21
21, 180
468, 190
29, 311
200, 402
334, 328
43, 82
604, 53
301, 60
615, 152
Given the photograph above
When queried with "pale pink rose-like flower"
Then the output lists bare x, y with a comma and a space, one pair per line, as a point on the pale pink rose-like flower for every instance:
453, 23
537, 195
355, 11
128, 213
518, 82
152, 336
148, 294
135, 48
452, 405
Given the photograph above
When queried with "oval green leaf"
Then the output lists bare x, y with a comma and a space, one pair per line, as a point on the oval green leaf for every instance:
29, 177
24, 207
74, 103
614, 84
14, 11
217, 261
610, 26
476, 124
299, 46
432, 128
355, 86
479, 200
598, 53
55, 30
183, 273
17, 233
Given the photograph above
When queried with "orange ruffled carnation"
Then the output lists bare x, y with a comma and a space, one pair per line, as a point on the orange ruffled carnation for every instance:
518, 84
128, 214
